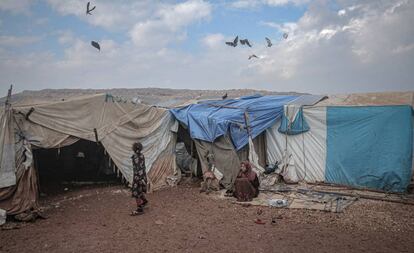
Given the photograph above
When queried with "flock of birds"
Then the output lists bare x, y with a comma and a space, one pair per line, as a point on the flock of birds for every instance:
233, 43
89, 12
247, 43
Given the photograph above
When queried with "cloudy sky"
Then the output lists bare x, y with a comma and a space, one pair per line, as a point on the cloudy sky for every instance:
332, 46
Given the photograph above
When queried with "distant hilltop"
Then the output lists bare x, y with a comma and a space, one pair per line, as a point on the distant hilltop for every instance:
152, 96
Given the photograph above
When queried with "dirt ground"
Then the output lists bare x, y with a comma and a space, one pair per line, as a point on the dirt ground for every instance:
96, 219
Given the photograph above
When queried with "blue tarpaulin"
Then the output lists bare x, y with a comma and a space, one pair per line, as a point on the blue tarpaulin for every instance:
211, 119
370, 146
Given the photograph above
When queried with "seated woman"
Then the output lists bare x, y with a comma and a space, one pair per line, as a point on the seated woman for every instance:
247, 183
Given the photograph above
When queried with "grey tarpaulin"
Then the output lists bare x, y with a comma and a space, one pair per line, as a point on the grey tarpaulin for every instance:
225, 157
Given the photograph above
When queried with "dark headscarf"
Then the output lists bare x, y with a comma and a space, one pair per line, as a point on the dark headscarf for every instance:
249, 173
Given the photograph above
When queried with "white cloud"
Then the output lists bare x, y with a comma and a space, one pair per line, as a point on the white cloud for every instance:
16, 6
248, 4
168, 23
41, 21
403, 48
284, 2
342, 12
66, 37
244, 4
213, 40
114, 15
371, 48
18, 41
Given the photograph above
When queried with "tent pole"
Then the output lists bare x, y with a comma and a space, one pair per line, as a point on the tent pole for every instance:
246, 122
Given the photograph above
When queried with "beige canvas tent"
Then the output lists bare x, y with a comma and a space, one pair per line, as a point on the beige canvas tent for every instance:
113, 122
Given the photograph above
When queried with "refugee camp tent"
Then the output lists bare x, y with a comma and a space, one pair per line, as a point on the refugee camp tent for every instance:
113, 122
224, 128
357, 140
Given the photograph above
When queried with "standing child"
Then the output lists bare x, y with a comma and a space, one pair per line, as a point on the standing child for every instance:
139, 182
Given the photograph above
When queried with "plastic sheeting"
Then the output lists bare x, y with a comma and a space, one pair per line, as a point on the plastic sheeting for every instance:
7, 150
209, 120
304, 155
370, 147
23, 195
117, 124
224, 156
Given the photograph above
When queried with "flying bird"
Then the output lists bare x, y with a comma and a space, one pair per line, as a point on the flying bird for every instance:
96, 45
285, 35
269, 42
234, 42
88, 11
253, 56
225, 96
245, 42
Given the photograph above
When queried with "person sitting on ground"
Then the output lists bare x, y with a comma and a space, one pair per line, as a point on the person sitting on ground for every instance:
246, 186
139, 181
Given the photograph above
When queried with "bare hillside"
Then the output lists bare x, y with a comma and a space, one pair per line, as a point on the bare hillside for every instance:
153, 96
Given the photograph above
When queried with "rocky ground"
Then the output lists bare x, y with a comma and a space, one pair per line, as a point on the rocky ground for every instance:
96, 219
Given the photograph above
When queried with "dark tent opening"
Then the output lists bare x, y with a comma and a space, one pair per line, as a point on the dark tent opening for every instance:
78, 165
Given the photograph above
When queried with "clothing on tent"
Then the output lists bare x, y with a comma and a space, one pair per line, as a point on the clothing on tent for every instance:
296, 126
302, 156
359, 146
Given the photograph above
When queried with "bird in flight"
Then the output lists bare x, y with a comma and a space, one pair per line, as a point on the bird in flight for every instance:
225, 96
285, 35
96, 45
269, 42
234, 42
253, 56
245, 42
88, 11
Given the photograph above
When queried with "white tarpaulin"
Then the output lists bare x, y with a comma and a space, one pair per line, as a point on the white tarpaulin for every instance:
305, 153
115, 123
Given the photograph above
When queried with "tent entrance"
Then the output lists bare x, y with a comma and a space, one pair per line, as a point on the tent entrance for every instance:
81, 164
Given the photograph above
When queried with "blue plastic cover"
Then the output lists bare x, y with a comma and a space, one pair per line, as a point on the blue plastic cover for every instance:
370, 147
298, 126
211, 119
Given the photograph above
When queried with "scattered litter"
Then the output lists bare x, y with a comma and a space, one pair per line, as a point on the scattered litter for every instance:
201, 237
172, 180
159, 222
278, 202
296, 198
29, 216
259, 221
10, 226
274, 218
